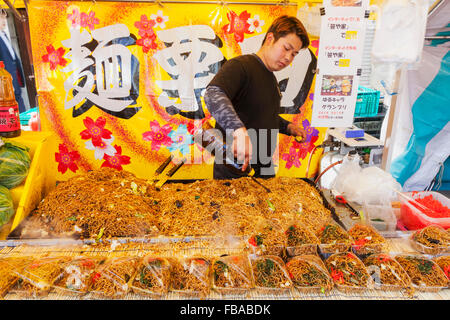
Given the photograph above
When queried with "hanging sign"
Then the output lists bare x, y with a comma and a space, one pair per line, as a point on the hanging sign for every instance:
339, 62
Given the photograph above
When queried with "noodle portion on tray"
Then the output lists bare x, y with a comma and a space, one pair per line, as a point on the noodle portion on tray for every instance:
269, 274
431, 240
387, 273
10, 268
231, 274
152, 278
300, 241
444, 263
308, 273
190, 276
348, 272
366, 239
333, 239
424, 273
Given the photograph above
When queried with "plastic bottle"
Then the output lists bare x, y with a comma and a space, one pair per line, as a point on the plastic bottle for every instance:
209, 139
9, 109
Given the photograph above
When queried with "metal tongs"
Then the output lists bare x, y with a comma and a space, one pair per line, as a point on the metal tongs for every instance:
160, 182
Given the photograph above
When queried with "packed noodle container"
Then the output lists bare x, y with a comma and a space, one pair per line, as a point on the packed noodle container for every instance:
269, 275
37, 278
375, 273
112, 279
335, 274
152, 278
10, 268
189, 277
302, 249
365, 246
414, 218
315, 262
75, 276
415, 278
231, 275
435, 250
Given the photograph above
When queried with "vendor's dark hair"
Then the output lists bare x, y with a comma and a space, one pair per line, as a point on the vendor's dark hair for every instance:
285, 25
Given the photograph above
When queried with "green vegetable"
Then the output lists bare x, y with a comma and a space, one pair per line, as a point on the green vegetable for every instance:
6, 205
100, 234
271, 206
14, 164
71, 218
377, 219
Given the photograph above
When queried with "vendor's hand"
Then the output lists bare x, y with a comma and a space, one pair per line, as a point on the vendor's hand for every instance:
297, 132
242, 147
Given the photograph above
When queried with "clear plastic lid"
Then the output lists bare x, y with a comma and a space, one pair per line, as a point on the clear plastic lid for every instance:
231, 274
333, 239
190, 276
37, 278
424, 273
348, 272
269, 274
111, 279
387, 273
366, 240
10, 268
153, 277
76, 275
308, 273
432, 239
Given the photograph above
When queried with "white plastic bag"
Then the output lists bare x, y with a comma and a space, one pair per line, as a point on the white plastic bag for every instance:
370, 185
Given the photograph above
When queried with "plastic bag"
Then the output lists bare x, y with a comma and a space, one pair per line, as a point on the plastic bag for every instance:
231, 275
400, 32
371, 185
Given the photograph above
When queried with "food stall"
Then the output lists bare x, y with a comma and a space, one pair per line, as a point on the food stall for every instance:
118, 200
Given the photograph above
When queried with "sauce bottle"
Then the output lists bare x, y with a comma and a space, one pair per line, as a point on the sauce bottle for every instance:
208, 138
9, 109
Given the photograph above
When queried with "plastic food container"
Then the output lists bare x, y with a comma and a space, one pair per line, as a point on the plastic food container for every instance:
270, 265
375, 272
416, 277
363, 246
435, 250
112, 279
314, 262
381, 217
444, 263
414, 218
231, 275
336, 273
189, 277
75, 276
10, 268
302, 250
152, 278
37, 278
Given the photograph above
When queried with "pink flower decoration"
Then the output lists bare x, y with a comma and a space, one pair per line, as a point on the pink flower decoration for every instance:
158, 135
66, 159
88, 20
95, 131
292, 158
74, 17
145, 27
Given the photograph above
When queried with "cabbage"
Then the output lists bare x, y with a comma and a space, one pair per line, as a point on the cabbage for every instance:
6, 205
14, 164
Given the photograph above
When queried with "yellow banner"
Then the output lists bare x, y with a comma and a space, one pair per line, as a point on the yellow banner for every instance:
121, 84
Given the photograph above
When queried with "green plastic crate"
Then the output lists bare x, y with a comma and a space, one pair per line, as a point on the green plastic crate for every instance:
367, 102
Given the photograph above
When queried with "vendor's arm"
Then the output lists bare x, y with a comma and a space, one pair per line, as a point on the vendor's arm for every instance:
221, 108
291, 129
